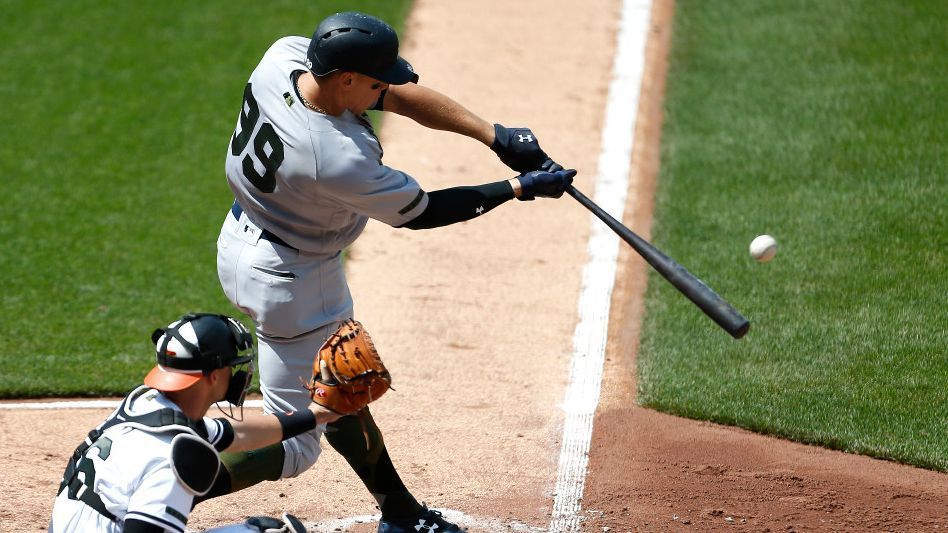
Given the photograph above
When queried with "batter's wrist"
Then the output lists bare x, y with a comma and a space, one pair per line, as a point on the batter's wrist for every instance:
516, 186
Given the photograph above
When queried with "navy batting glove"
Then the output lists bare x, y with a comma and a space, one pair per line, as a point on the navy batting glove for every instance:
550, 166
519, 149
544, 184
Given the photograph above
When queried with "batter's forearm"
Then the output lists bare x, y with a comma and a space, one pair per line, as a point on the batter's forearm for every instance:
457, 204
437, 111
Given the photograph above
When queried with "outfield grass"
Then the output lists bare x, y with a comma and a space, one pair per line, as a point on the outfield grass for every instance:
116, 116
821, 123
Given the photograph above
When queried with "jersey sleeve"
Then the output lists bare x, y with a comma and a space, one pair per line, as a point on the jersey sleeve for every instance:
161, 499
368, 187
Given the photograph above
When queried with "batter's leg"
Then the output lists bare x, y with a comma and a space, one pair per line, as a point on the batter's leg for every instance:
359, 440
286, 343
281, 384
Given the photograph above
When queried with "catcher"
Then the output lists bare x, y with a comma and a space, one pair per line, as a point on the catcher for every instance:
142, 469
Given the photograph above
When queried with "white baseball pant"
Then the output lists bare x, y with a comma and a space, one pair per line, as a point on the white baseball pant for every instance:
296, 301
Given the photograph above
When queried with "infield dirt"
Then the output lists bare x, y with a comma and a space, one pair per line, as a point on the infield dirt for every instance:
476, 321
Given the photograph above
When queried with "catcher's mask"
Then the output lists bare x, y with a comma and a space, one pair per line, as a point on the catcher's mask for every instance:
357, 42
197, 344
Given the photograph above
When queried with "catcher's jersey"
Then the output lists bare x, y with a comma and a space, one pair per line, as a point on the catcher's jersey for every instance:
129, 469
311, 179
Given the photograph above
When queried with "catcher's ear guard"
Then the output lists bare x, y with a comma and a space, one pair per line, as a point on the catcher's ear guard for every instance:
194, 462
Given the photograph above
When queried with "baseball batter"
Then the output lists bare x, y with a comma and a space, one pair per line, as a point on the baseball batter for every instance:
306, 170
141, 469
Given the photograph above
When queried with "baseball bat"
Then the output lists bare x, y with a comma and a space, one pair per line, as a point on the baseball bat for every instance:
693, 288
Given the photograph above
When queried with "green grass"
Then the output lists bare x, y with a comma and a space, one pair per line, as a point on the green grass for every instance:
821, 123
116, 116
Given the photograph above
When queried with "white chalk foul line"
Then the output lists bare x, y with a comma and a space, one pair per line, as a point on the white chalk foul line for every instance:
589, 339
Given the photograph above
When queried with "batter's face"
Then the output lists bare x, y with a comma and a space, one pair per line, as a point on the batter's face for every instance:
363, 92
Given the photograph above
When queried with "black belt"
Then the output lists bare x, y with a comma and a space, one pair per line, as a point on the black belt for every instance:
264, 234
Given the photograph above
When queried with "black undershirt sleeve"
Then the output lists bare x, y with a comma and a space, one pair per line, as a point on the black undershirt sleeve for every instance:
457, 204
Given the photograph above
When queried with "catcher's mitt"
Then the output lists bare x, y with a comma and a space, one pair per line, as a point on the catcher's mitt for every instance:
348, 373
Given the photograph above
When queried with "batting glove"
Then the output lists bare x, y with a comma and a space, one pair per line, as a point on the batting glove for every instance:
544, 184
519, 149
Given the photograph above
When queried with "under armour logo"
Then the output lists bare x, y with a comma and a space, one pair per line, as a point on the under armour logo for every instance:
479, 210
525, 138
421, 525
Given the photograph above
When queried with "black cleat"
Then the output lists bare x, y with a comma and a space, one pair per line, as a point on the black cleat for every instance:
429, 521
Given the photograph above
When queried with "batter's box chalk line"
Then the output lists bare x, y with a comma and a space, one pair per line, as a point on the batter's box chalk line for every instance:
477, 524
459, 518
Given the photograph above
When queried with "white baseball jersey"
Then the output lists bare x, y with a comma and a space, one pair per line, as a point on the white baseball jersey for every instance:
309, 178
129, 469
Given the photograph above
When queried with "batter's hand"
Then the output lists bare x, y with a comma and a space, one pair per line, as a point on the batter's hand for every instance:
519, 149
544, 184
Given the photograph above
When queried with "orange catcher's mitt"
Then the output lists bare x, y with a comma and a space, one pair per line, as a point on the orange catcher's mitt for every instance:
348, 373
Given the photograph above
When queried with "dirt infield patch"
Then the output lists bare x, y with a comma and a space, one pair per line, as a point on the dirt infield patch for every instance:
686, 475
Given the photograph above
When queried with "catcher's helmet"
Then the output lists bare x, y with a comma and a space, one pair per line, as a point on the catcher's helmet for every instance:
357, 42
196, 344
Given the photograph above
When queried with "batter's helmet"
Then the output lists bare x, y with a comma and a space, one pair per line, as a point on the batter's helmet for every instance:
195, 344
357, 42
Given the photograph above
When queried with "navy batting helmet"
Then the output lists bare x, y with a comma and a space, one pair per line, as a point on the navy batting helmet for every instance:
357, 42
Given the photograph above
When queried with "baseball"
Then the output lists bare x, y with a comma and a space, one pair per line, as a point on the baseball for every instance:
763, 248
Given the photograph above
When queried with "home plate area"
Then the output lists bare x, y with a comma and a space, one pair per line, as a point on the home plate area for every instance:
459, 518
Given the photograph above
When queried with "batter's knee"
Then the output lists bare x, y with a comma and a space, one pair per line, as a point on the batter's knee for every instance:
301, 452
